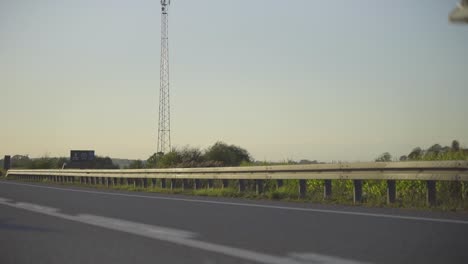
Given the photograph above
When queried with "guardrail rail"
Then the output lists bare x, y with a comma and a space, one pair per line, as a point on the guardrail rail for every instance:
429, 171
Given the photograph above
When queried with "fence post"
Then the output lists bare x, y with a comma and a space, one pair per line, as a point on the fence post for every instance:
225, 183
391, 191
302, 188
357, 191
431, 193
259, 186
210, 184
279, 184
327, 189
196, 184
184, 184
241, 186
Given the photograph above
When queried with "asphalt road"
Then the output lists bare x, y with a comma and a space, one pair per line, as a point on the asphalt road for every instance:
60, 224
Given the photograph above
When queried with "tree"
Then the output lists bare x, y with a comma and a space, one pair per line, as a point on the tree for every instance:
436, 149
152, 161
103, 163
384, 157
228, 155
20, 161
136, 164
415, 154
169, 160
455, 145
403, 158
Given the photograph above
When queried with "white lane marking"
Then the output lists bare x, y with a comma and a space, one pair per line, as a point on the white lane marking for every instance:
136, 228
399, 217
316, 258
180, 237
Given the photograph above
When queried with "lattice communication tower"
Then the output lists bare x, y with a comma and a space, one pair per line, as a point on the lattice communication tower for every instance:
164, 126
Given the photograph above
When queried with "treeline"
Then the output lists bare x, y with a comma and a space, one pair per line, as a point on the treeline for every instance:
434, 152
218, 155
223, 155
25, 162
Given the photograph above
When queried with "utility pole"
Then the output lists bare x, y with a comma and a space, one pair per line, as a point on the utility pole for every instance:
164, 126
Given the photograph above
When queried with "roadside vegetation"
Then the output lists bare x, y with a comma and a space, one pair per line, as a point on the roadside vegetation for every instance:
451, 196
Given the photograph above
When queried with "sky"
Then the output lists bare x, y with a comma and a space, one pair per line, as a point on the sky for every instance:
287, 80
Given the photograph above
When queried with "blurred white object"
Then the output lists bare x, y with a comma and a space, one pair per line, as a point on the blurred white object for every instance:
460, 14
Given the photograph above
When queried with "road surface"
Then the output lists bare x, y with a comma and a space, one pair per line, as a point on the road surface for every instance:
60, 224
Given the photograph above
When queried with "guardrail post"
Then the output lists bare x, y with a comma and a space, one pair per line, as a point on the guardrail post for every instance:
357, 191
184, 184
391, 191
210, 184
7, 162
431, 193
196, 184
163, 183
225, 183
241, 185
279, 184
302, 188
153, 183
173, 184
259, 186
145, 183
327, 189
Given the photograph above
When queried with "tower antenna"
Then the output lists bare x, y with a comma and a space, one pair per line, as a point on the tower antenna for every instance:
164, 126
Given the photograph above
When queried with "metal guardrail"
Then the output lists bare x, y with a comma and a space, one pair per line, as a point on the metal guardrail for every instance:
429, 171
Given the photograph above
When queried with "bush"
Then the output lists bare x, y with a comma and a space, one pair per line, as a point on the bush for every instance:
218, 155
228, 155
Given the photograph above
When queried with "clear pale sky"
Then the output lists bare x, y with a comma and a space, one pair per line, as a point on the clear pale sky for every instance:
297, 79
